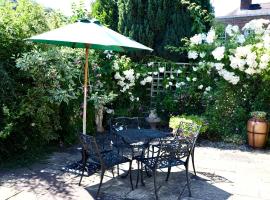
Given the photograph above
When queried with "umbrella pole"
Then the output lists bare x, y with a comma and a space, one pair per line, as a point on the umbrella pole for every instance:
85, 90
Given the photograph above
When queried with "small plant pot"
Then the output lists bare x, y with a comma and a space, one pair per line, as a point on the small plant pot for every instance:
257, 130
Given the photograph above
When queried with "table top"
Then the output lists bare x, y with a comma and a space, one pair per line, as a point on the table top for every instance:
132, 136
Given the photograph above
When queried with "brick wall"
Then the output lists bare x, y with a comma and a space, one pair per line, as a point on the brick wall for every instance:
240, 21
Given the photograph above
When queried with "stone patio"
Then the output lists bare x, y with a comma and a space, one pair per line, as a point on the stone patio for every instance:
223, 173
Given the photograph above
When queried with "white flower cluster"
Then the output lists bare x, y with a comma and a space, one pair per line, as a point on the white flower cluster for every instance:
211, 36
192, 55
229, 76
257, 26
218, 53
231, 30
198, 39
247, 53
127, 80
247, 60
148, 79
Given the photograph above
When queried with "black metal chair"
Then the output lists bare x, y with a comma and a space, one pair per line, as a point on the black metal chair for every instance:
133, 151
94, 160
184, 130
120, 124
172, 151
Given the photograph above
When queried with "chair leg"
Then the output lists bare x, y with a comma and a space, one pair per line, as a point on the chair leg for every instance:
83, 167
142, 182
113, 171
138, 173
118, 165
130, 175
155, 183
187, 177
101, 179
168, 174
193, 164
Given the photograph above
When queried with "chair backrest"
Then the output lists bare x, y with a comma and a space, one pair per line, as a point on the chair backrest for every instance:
124, 123
182, 144
91, 147
188, 129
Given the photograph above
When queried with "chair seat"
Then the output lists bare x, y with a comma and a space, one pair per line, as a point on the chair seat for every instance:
113, 158
164, 162
92, 167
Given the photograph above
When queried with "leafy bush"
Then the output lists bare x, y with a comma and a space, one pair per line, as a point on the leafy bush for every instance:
239, 66
55, 75
175, 121
258, 114
226, 112
19, 20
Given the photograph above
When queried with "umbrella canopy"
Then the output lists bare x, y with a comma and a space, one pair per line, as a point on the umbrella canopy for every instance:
79, 34
88, 34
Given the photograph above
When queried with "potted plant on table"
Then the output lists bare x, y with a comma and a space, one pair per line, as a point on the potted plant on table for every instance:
257, 129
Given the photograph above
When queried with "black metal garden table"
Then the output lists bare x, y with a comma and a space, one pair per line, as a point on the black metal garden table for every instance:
138, 137
139, 140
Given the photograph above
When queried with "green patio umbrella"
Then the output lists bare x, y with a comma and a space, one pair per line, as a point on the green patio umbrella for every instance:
89, 35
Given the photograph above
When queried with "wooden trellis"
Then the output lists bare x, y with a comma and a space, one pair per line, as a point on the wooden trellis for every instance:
157, 86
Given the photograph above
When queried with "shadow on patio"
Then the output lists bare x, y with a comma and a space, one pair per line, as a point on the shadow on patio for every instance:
174, 189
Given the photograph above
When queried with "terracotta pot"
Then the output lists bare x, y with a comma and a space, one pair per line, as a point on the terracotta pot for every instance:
257, 130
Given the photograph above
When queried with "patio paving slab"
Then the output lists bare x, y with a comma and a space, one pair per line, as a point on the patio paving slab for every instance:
223, 173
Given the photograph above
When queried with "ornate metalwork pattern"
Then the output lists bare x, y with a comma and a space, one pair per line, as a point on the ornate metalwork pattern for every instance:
172, 151
103, 160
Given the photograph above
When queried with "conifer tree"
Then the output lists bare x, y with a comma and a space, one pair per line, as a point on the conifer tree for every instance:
158, 23
106, 12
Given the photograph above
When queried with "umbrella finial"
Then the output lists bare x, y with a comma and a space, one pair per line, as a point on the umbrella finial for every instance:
95, 21
84, 20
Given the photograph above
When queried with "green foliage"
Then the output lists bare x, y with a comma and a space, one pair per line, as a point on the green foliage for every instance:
258, 114
227, 112
17, 24
155, 23
160, 23
175, 122
106, 11
55, 75
185, 91
79, 11
18, 130
199, 12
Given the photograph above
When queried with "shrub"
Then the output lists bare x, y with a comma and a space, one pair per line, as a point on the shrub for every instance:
175, 121
226, 112
239, 65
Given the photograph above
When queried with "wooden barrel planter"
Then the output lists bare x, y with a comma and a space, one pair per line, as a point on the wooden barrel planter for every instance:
257, 129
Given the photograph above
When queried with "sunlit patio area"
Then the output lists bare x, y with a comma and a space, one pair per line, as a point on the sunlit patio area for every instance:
223, 172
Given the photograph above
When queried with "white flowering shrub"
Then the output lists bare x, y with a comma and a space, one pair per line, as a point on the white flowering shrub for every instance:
237, 62
242, 54
118, 83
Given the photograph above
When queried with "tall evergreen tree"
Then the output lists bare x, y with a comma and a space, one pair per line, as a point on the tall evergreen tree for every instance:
157, 23
106, 11
161, 23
